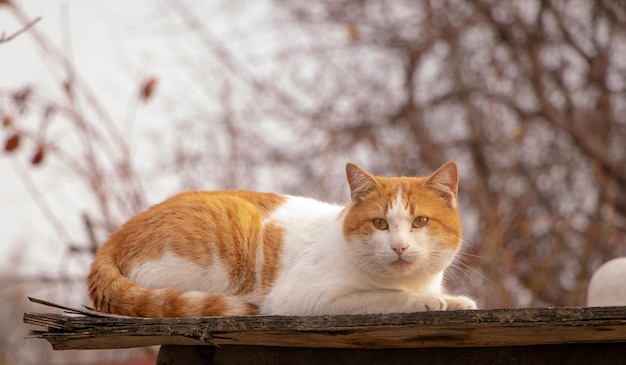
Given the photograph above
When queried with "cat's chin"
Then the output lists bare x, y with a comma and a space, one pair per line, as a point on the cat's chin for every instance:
401, 262
408, 266
402, 265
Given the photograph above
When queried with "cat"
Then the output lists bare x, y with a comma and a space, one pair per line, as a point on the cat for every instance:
245, 253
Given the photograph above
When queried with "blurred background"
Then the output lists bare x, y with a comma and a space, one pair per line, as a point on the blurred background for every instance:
110, 107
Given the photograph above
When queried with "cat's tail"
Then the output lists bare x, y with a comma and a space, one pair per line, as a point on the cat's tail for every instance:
112, 292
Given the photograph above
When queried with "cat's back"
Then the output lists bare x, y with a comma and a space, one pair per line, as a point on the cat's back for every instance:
301, 209
189, 220
224, 201
197, 207
193, 215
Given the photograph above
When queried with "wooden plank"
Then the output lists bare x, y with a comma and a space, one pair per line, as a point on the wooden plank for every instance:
479, 328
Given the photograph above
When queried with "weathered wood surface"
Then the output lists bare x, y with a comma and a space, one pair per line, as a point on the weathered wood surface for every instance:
479, 328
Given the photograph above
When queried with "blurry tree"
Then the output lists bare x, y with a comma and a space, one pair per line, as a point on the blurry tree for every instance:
530, 98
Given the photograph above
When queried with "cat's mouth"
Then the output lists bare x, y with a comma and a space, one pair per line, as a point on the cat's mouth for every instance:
401, 262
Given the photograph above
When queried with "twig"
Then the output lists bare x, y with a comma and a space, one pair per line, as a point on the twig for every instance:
86, 312
4, 38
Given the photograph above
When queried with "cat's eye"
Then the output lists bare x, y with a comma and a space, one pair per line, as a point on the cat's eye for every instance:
420, 222
380, 224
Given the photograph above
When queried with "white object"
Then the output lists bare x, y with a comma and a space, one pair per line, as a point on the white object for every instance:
608, 284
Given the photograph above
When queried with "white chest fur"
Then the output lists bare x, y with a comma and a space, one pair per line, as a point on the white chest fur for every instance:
320, 272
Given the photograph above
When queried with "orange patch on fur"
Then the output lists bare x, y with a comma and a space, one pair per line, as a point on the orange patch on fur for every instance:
273, 237
197, 226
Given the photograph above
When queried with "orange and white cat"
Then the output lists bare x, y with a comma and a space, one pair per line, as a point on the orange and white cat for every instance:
241, 253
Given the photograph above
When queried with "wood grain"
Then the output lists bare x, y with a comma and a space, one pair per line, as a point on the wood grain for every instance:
479, 328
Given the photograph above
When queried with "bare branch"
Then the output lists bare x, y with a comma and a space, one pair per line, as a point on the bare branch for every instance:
4, 38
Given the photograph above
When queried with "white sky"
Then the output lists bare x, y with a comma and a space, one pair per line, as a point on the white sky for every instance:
109, 60
113, 46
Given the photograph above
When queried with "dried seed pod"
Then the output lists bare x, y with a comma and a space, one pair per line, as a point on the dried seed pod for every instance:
12, 142
7, 121
38, 156
353, 32
147, 89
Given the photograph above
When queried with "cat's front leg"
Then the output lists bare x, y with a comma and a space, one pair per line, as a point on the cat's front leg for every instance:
383, 301
426, 302
436, 301
375, 301
459, 303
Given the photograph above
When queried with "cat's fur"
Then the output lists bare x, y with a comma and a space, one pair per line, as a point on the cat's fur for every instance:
239, 252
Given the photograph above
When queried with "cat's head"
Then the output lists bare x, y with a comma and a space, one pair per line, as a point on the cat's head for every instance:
403, 226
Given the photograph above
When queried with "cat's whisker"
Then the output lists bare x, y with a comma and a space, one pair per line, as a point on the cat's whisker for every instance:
439, 257
464, 268
458, 262
470, 255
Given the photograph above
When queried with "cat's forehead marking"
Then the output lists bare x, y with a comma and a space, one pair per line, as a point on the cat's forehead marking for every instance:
398, 207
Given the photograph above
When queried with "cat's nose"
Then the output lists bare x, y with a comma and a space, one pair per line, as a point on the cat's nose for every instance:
399, 248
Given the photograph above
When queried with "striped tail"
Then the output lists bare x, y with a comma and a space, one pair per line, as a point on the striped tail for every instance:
112, 292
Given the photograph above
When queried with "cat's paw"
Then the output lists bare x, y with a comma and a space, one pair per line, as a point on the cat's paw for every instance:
433, 302
458, 303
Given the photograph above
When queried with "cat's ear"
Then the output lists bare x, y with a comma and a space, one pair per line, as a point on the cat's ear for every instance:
360, 181
446, 182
